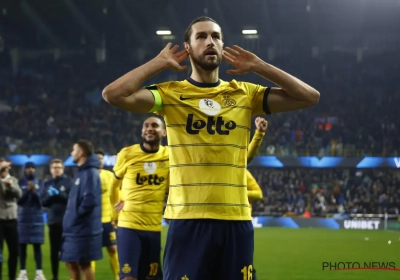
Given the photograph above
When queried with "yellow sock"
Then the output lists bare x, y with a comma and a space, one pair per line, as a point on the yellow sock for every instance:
93, 265
114, 264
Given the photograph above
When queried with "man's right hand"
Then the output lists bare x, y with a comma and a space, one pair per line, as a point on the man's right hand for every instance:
119, 205
53, 191
172, 59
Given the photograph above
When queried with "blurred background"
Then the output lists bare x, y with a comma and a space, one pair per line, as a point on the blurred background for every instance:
338, 159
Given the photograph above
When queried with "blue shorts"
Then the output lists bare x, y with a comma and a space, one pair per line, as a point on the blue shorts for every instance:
209, 249
109, 235
139, 253
81, 249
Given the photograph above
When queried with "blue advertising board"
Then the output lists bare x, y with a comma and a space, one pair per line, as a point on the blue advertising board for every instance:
260, 161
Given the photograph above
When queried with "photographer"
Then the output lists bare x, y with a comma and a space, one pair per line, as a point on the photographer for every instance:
9, 194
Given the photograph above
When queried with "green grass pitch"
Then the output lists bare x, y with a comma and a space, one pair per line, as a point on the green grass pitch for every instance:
289, 254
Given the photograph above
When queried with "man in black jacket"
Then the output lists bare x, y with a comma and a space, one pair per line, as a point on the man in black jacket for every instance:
57, 189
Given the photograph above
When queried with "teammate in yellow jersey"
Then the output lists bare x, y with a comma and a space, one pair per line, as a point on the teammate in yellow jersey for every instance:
107, 214
208, 120
254, 191
143, 171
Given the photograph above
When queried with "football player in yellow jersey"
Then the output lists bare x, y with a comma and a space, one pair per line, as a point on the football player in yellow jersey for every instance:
208, 120
143, 171
254, 191
107, 213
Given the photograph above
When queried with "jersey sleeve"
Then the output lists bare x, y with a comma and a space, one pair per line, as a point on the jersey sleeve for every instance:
120, 166
254, 191
259, 98
254, 145
167, 187
114, 195
159, 92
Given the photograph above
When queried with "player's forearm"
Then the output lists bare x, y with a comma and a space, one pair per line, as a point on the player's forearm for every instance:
254, 145
129, 83
292, 86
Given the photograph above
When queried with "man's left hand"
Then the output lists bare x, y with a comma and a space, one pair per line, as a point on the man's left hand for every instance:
244, 61
261, 124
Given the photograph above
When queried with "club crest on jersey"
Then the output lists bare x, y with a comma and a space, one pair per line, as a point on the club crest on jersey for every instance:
209, 107
62, 189
227, 101
77, 181
150, 167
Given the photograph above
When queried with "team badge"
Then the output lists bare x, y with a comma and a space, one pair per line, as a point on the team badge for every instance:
227, 101
77, 181
150, 167
209, 107
62, 189
126, 269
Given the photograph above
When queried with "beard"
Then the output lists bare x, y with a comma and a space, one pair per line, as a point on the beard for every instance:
154, 141
205, 64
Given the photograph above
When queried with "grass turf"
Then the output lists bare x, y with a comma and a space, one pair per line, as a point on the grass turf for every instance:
287, 254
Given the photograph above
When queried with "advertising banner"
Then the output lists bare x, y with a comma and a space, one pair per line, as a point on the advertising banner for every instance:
260, 161
291, 222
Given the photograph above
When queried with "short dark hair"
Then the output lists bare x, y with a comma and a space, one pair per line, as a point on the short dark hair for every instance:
157, 117
188, 32
99, 152
86, 146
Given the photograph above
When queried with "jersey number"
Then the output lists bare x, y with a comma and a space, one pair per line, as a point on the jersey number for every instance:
153, 269
247, 272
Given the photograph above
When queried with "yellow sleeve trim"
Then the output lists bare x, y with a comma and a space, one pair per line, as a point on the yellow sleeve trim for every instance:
158, 104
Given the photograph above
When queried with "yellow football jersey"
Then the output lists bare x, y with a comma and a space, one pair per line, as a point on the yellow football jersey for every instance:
208, 128
144, 176
106, 178
254, 191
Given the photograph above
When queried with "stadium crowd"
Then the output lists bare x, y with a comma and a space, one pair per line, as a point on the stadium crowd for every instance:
62, 101
323, 192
